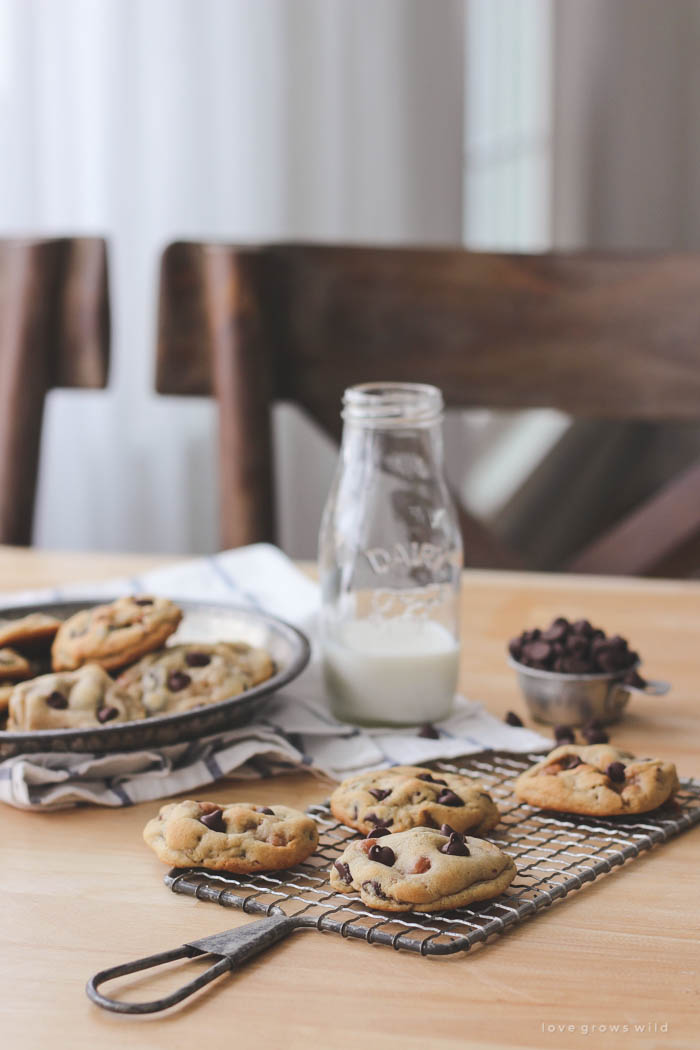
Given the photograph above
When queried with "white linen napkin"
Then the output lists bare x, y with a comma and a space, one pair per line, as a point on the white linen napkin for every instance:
296, 729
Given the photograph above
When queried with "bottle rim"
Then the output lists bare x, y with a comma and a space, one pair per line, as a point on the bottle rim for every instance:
388, 404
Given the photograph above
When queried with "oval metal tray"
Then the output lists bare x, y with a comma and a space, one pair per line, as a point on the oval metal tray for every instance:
202, 622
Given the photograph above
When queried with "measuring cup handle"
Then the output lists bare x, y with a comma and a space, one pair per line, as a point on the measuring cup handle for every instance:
653, 687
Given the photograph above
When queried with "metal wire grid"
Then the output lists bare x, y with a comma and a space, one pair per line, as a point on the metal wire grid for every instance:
554, 853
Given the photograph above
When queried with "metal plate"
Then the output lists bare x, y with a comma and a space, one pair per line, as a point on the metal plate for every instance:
555, 854
202, 622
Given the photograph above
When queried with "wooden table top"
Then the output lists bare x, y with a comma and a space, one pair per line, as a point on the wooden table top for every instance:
81, 892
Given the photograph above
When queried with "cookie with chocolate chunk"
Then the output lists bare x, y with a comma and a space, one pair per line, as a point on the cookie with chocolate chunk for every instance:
115, 634
31, 633
83, 699
598, 781
422, 870
13, 666
240, 837
182, 677
410, 796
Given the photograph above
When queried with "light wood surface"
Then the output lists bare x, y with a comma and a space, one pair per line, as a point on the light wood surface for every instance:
81, 892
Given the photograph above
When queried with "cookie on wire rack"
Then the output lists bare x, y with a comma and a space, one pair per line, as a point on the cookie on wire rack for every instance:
597, 781
422, 870
410, 796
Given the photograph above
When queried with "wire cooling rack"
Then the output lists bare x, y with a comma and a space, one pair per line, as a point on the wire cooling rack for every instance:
554, 853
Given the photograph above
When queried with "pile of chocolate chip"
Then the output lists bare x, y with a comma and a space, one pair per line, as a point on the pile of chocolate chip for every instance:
576, 648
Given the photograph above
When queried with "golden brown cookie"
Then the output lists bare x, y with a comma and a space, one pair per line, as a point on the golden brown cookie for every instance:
240, 837
410, 796
422, 870
181, 677
116, 634
86, 698
13, 666
598, 781
29, 633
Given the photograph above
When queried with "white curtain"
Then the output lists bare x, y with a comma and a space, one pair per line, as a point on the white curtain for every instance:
244, 120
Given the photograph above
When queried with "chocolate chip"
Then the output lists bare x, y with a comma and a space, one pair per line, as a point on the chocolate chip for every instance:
582, 627
143, 601
197, 659
570, 762
373, 886
266, 810
430, 779
178, 680
383, 855
428, 731
372, 818
633, 678
379, 793
564, 735
57, 700
512, 719
515, 648
539, 652
455, 847
447, 829
616, 772
448, 798
595, 736
214, 820
343, 870
106, 714
377, 833
556, 631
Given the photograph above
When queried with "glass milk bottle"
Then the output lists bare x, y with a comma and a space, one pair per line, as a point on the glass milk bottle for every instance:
390, 556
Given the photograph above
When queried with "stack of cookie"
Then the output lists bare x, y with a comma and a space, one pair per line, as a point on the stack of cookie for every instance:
125, 638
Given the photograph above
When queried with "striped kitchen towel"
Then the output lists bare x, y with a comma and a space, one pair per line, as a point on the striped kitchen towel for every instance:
297, 729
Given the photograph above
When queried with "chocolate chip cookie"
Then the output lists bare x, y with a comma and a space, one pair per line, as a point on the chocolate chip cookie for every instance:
181, 677
13, 666
422, 870
29, 633
410, 796
598, 781
114, 635
241, 838
86, 698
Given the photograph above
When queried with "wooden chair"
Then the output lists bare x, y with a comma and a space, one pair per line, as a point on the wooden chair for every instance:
54, 331
606, 336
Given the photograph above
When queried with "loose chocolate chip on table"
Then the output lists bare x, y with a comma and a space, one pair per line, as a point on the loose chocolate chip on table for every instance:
512, 719
564, 734
446, 829
383, 855
377, 833
197, 659
616, 772
595, 736
428, 731
343, 870
178, 680
379, 793
372, 818
214, 820
456, 847
57, 700
106, 714
448, 798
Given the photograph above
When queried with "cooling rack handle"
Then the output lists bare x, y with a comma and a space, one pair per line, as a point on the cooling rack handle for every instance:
234, 947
